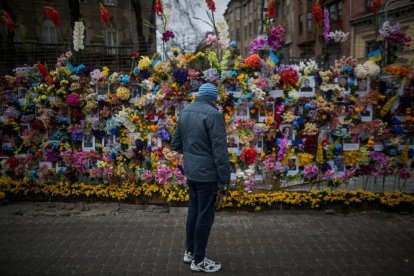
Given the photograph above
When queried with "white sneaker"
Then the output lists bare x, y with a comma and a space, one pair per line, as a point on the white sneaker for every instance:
206, 265
188, 257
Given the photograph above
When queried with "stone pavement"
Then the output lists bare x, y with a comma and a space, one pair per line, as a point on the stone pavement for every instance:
121, 239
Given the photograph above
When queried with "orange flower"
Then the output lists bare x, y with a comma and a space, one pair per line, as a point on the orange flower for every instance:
253, 62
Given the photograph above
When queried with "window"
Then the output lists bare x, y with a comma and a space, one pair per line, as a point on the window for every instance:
110, 2
300, 24
245, 32
340, 10
309, 21
332, 13
111, 41
251, 29
237, 34
251, 6
49, 32
238, 14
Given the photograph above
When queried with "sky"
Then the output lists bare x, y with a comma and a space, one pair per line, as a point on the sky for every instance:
184, 34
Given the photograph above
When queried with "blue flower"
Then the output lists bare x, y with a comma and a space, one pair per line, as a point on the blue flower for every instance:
136, 70
307, 106
392, 152
398, 130
233, 44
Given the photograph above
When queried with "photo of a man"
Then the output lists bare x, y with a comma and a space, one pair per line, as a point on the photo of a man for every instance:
292, 164
231, 142
362, 85
306, 86
343, 82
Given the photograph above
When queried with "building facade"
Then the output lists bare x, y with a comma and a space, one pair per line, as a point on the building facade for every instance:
364, 26
125, 33
304, 38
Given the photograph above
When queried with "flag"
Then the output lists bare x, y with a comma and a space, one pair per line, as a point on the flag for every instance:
272, 60
375, 55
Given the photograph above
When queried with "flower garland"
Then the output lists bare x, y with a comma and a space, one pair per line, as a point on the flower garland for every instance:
78, 36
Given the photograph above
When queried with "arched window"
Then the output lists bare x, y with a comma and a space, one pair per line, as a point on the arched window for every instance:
49, 35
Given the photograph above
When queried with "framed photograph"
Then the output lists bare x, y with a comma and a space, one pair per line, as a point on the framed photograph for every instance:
108, 141
254, 113
259, 173
266, 111
132, 137
276, 93
293, 166
394, 83
150, 112
287, 130
366, 114
242, 111
135, 93
154, 142
349, 145
21, 92
343, 83
23, 128
363, 86
88, 142
339, 165
60, 166
232, 142
308, 87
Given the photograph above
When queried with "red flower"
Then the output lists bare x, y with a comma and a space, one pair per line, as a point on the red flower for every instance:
43, 70
8, 21
158, 7
317, 12
211, 5
289, 77
271, 9
134, 54
249, 155
52, 15
104, 14
13, 162
376, 6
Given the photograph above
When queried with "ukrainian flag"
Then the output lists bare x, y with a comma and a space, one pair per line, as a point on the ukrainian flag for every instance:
375, 55
272, 60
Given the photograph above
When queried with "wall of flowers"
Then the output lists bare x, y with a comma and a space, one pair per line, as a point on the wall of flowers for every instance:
81, 124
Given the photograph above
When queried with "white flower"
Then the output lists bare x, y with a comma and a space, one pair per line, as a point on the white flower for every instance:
338, 36
360, 71
294, 95
96, 76
147, 85
78, 36
258, 93
372, 68
307, 67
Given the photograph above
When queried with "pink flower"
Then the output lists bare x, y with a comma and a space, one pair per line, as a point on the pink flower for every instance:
179, 175
270, 163
163, 174
404, 174
281, 152
310, 171
147, 176
73, 100
214, 40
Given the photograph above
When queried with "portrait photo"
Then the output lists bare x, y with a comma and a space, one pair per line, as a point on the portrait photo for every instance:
308, 87
88, 142
242, 111
287, 131
363, 85
343, 82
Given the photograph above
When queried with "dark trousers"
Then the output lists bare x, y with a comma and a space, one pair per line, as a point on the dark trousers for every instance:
200, 216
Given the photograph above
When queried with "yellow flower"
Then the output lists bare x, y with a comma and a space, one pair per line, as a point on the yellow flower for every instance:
123, 93
144, 63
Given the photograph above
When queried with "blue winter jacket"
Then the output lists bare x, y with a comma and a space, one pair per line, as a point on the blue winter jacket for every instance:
201, 136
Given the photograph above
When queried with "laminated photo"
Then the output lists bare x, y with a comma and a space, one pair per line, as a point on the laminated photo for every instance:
349, 145
366, 115
308, 87
242, 111
232, 142
88, 142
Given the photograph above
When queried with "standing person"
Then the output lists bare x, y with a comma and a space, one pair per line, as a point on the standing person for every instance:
201, 136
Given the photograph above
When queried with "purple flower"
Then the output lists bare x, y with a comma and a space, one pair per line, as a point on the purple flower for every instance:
275, 39
72, 100
27, 118
326, 25
52, 156
139, 144
257, 44
12, 112
180, 75
76, 135
167, 36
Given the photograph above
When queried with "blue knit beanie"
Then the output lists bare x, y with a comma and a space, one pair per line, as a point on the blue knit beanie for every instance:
208, 90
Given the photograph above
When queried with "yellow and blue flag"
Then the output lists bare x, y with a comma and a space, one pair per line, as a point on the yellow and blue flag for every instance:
375, 55
272, 60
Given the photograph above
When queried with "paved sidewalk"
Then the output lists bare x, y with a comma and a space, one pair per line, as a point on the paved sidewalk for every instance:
121, 239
